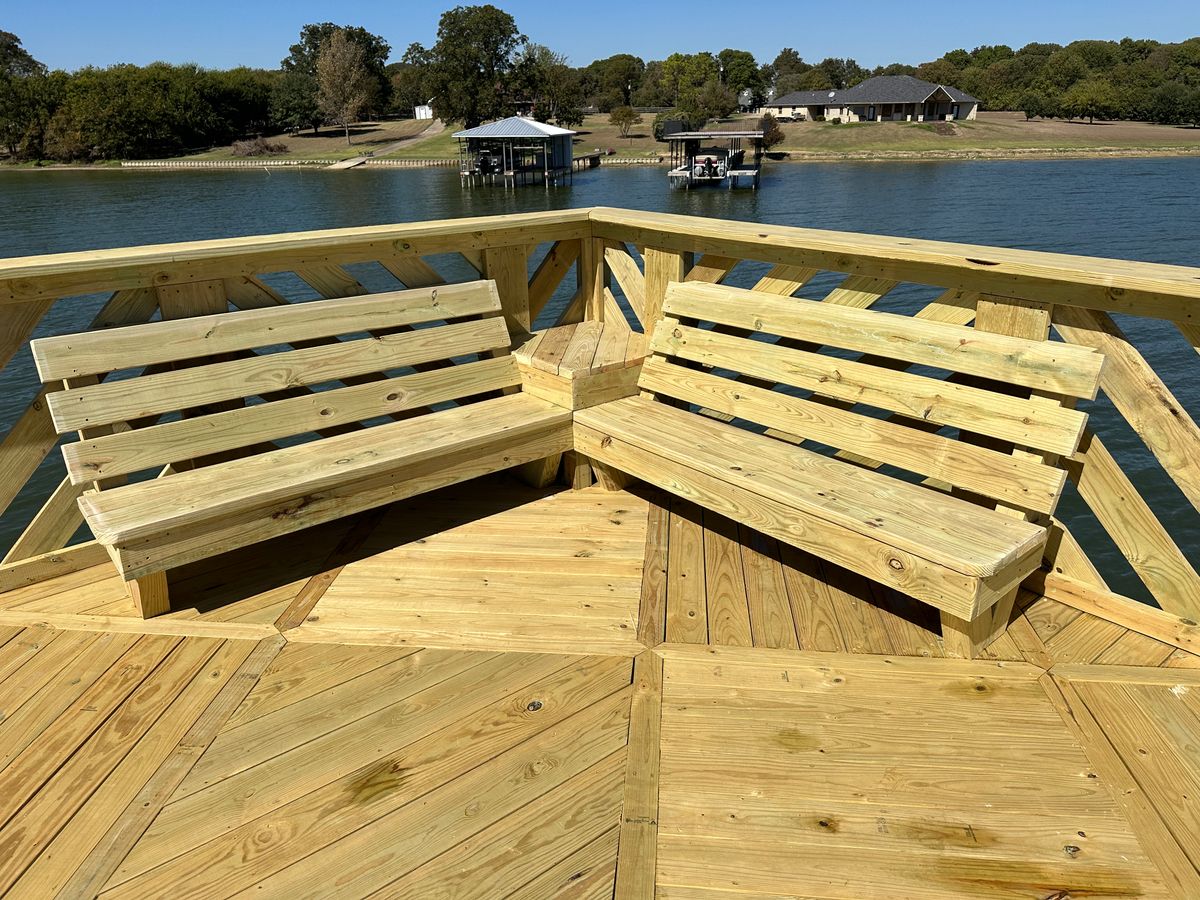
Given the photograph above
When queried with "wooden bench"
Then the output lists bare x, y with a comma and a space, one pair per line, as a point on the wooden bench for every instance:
194, 414
764, 389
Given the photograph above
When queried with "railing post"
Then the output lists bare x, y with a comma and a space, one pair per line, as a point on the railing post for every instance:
662, 267
593, 278
1025, 319
508, 267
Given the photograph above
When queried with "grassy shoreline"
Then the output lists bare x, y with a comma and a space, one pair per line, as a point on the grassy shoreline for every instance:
1032, 154
993, 136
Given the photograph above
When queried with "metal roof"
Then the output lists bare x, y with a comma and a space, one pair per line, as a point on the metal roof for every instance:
514, 127
691, 135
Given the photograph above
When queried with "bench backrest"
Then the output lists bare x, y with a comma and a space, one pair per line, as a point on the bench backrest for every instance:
759, 363
241, 380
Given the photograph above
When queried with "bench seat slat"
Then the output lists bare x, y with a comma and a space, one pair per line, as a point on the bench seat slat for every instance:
203, 495
970, 539
171, 442
1020, 481
491, 450
1042, 426
1040, 365
122, 401
136, 346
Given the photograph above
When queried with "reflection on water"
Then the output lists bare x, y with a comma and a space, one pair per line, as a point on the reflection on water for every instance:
1129, 208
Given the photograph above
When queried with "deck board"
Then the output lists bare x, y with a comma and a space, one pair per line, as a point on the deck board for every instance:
231, 748
490, 582
767, 789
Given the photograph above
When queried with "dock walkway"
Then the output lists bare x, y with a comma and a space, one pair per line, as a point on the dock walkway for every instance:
490, 689
412, 714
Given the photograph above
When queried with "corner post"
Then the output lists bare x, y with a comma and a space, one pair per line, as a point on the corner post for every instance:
593, 278
508, 267
1030, 320
662, 267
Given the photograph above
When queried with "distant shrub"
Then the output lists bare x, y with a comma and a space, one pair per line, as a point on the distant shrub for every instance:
836, 120
772, 133
259, 146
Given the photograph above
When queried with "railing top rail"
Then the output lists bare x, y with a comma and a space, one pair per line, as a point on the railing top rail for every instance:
33, 278
1138, 288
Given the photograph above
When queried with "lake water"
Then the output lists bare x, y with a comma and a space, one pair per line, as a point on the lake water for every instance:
1146, 209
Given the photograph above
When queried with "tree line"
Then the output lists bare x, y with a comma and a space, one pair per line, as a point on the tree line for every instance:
481, 67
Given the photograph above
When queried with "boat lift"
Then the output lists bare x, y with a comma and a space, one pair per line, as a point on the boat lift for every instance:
715, 158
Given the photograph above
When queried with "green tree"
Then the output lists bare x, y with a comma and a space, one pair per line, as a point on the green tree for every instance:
711, 100
15, 60
841, 73
241, 100
294, 101
940, 71
542, 79
1062, 69
344, 84
22, 87
654, 90
472, 61
1091, 98
1036, 104
410, 79
303, 55
815, 79
1098, 56
788, 62
960, 59
624, 118
1174, 103
615, 79
987, 54
895, 69
685, 73
740, 72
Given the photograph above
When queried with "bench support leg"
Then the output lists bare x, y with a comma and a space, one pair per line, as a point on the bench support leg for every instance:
966, 640
540, 472
149, 595
611, 479
577, 470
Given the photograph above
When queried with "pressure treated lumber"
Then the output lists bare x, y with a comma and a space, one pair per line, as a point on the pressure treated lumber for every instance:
67, 274
821, 505
1137, 288
232, 500
93, 352
1053, 367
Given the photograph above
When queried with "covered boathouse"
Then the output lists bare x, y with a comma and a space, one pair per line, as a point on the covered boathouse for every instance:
516, 150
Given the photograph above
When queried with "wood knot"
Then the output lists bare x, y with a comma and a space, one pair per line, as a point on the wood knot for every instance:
896, 564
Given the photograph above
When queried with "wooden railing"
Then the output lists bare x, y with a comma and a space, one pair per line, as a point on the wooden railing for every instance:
622, 262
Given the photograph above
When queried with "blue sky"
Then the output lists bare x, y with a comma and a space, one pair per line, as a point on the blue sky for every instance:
223, 33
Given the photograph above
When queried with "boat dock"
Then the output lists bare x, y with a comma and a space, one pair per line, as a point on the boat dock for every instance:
718, 158
484, 586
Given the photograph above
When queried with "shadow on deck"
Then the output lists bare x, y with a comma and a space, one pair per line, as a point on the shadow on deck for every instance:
454, 696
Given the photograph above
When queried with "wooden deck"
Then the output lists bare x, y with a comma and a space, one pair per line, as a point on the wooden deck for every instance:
391, 706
